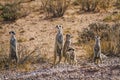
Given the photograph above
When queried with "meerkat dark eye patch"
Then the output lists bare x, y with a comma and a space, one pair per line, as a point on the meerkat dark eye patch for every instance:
57, 26
71, 49
97, 37
68, 35
12, 32
60, 26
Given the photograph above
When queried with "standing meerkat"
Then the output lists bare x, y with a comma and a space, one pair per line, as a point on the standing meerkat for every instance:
58, 44
71, 56
13, 47
67, 44
97, 50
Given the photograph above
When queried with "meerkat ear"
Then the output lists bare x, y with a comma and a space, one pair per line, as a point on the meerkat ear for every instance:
10, 32
66, 35
57, 26
95, 37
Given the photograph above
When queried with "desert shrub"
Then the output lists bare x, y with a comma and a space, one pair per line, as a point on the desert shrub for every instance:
55, 8
118, 4
10, 11
110, 38
76, 2
89, 5
112, 18
3, 55
30, 56
94, 5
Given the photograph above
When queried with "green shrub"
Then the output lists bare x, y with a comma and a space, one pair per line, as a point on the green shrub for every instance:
55, 8
110, 38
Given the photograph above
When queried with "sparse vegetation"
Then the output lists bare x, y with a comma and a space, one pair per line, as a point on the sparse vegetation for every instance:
30, 56
89, 5
93, 5
110, 38
108, 18
27, 57
10, 11
118, 4
3, 55
55, 8
114, 18
22, 40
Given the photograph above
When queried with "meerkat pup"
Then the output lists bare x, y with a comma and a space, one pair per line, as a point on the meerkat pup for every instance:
58, 44
97, 50
67, 44
71, 56
13, 47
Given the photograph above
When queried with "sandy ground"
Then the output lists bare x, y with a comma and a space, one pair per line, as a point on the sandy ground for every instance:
42, 31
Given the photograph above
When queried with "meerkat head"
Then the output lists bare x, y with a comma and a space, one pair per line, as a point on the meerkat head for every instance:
71, 49
12, 33
68, 36
97, 38
59, 28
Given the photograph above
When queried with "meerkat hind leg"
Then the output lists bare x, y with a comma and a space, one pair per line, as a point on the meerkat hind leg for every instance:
55, 58
60, 57
100, 60
65, 59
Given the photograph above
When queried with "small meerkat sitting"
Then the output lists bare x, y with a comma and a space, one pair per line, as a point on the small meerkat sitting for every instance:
67, 45
71, 56
97, 50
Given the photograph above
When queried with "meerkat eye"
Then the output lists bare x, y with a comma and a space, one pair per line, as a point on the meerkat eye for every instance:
69, 35
60, 26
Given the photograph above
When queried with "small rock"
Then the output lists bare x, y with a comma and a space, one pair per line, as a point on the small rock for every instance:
32, 39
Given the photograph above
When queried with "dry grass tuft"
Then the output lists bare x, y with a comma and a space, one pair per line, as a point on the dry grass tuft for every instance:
22, 40
3, 55
112, 18
118, 4
27, 57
